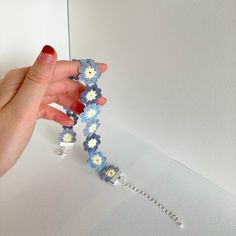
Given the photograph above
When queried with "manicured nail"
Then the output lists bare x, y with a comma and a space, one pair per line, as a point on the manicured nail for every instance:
80, 108
101, 101
47, 54
103, 67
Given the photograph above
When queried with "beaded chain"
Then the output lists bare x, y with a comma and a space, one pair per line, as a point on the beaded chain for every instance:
89, 74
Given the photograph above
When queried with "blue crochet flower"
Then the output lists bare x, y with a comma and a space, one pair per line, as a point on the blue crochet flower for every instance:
91, 143
90, 113
73, 115
69, 112
67, 136
91, 127
90, 94
96, 160
76, 78
108, 172
67, 127
89, 72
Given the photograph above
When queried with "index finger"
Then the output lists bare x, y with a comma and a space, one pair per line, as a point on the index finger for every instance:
71, 68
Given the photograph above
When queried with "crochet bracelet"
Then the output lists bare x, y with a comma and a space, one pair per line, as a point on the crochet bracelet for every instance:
89, 74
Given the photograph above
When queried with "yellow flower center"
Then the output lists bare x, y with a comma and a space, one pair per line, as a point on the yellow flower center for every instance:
91, 95
97, 160
89, 72
110, 173
67, 138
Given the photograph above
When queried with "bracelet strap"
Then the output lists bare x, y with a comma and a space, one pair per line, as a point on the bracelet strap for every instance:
89, 74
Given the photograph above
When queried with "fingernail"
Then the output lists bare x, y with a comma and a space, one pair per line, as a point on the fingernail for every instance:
47, 54
103, 67
80, 108
101, 101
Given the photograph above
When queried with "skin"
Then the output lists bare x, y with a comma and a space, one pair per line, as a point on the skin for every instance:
25, 95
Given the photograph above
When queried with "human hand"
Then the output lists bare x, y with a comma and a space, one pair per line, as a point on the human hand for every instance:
25, 95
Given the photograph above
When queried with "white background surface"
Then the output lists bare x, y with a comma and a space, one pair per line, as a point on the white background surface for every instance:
26, 26
42, 195
171, 79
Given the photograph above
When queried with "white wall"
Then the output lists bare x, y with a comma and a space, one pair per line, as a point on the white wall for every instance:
43, 195
171, 79
26, 26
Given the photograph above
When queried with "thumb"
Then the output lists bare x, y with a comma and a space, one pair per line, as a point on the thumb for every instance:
37, 80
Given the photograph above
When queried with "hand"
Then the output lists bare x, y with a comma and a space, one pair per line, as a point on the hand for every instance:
24, 97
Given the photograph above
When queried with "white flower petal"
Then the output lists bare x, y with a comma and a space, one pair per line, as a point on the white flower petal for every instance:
91, 95
92, 128
91, 113
92, 143
89, 72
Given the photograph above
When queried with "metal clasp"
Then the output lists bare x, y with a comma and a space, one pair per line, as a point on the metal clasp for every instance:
63, 150
118, 178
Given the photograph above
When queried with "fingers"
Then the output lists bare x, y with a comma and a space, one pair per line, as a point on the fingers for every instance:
11, 84
51, 113
66, 69
71, 88
37, 80
65, 101
45, 77
69, 102
61, 83
102, 101
67, 86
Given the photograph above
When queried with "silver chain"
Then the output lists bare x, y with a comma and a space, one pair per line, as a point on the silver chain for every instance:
121, 179
157, 204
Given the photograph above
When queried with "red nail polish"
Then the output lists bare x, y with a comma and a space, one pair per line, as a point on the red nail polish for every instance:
81, 107
47, 54
101, 101
48, 50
